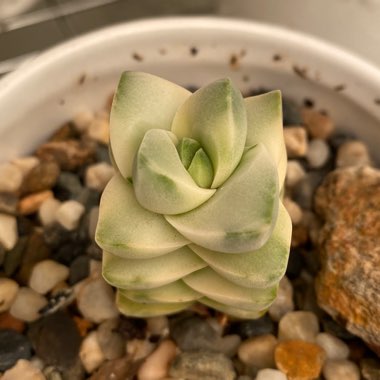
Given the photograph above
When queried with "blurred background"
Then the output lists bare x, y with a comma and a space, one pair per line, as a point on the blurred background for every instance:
30, 26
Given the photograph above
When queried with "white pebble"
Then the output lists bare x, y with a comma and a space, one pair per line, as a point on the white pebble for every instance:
158, 325
24, 370
283, 303
48, 210
27, 305
270, 374
301, 325
90, 352
46, 275
139, 348
69, 214
98, 175
83, 119
26, 164
295, 141
8, 293
294, 173
98, 130
156, 365
8, 231
96, 300
258, 351
352, 153
295, 211
11, 178
318, 153
340, 369
334, 347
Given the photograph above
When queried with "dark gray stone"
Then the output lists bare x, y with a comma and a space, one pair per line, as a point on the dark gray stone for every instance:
68, 186
79, 269
255, 327
13, 346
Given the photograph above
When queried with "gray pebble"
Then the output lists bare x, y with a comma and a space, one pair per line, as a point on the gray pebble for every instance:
110, 341
13, 346
283, 303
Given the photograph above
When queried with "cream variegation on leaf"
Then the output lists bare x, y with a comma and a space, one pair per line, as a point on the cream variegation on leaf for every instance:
194, 213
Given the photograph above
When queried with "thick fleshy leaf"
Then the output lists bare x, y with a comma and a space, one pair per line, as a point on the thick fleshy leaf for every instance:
201, 170
207, 282
215, 116
150, 273
143, 310
232, 310
241, 215
177, 291
128, 230
260, 268
264, 124
160, 181
142, 102
187, 148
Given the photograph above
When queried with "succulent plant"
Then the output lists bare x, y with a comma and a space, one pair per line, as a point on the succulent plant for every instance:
194, 211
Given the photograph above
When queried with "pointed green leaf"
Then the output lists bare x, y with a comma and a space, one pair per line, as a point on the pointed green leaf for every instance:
207, 282
187, 148
175, 292
241, 215
232, 310
216, 117
161, 182
142, 310
264, 124
126, 229
150, 273
201, 169
142, 102
260, 268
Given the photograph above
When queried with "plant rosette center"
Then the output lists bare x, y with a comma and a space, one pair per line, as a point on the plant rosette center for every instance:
194, 213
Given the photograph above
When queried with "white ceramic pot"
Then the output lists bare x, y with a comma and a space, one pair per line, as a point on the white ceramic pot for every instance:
82, 73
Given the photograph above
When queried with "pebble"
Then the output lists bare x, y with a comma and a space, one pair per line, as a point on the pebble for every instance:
318, 125
303, 192
48, 210
194, 333
79, 269
8, 203
299, 360
294, 173
27, 305
370, 369
158, 325
13, 346
291, 112
255, 327
8, 293
26, 164
118, 369
98, 130
228, 345
301, 325
91, 353
317, 153
69, 214
51, 373
31, 203
68, 186
92, 223
8, 321
295, 141
334, 347
56, 341
258, 351
24, 370
11, 177
283, 303
46, 275
340, 369
139, 349
270, 374
295, 211
110, 341
352, 153
202, 365
98, 175
96, 300
83, 119
156, 365
8, 231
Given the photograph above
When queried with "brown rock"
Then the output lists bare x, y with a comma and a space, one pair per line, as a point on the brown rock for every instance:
299, 360
8, 321
318, 125
118, 369
31, 203
68, 154
348, 283
8, 203
66, 132
43, 177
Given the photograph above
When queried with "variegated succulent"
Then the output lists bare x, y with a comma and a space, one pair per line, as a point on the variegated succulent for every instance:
194, 213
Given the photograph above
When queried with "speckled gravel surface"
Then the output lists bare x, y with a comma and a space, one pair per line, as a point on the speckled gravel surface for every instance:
58, 320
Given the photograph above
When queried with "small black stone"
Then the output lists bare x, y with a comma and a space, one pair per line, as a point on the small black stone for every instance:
254, 327
13, 346
131, 328
334, 328
291, 112
79, 269
89, 198
295, 264
68, 186
102, 154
